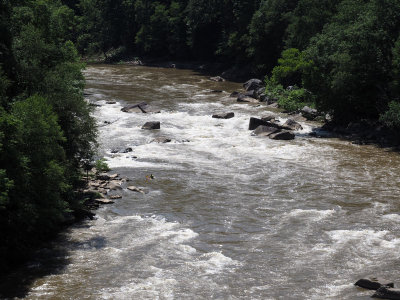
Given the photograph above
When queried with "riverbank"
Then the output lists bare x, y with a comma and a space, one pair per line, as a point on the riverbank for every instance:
235, 73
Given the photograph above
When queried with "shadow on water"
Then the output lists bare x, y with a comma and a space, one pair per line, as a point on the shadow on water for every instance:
46, 261
389, 142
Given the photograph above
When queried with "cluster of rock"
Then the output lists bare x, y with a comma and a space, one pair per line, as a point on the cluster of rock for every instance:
384, 288
103, 189
255, 93
269, 126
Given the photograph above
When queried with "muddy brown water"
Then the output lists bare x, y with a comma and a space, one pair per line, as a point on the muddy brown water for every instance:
228, 215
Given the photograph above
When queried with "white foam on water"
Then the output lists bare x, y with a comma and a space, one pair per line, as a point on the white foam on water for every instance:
213, 263
392, 218
362, 247
312, 215
213, 142
156, 287
331, 290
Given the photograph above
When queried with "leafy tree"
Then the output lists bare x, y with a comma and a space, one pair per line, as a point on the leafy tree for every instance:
45, 125
353, 58
267, 30
291, 67
204, 26
307, 20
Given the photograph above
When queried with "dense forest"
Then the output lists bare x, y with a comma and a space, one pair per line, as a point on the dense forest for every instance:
46, 131
343, 57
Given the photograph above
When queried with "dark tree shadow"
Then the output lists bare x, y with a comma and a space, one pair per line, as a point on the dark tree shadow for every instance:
50, 260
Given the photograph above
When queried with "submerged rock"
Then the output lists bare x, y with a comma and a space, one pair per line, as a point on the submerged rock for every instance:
247, 99
161, 140
217, 79
387, 293
151, 125
255, 122
282, 135
373, 283
263, 130
135, 189
224, 115
139, 107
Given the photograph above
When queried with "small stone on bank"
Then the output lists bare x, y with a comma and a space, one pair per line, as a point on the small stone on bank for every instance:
104, 201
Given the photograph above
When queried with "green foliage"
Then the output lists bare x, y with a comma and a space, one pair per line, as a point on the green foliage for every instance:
291, 100
45, 125
391, 117
307, 20
353, 58
101, 166
395, 84
267, 30
291, 67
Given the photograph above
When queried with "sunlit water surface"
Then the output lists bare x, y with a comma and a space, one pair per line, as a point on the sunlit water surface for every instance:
228, 215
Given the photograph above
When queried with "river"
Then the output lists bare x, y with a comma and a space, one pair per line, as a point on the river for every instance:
228, 215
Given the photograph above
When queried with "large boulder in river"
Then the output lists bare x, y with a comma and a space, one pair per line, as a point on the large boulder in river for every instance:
151, 125
373, 283
265, 130
255, 122
292, 125
139, 107
251, 93
252, 84
282, 135
309, 113
224, 115
387, 293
